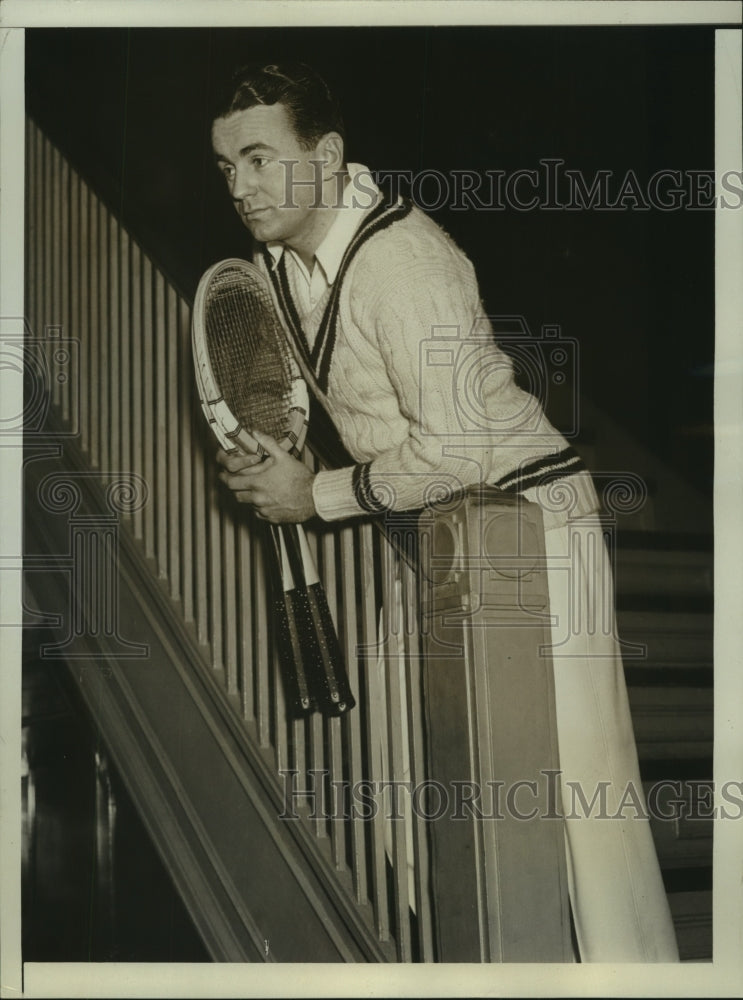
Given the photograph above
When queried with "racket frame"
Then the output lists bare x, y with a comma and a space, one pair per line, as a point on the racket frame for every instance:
323, 683
227, 428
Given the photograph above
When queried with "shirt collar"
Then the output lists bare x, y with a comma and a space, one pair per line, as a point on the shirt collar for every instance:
359, 195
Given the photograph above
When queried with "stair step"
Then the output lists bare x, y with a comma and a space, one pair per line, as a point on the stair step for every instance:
671, 638
676, 573
667, 541
692, 918
672, 722
639, 674
683, 841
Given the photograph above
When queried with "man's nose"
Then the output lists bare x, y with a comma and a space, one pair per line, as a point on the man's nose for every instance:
244, 185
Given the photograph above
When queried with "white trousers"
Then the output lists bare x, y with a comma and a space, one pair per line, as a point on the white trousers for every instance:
619, 903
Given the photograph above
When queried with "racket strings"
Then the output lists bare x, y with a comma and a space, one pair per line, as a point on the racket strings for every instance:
246, 349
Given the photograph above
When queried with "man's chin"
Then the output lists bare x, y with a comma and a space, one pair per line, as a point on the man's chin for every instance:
259, 228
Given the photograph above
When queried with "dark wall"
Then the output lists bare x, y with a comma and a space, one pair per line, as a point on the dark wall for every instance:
634, 288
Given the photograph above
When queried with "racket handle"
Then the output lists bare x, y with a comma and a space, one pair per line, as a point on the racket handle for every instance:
326, 670
297, 695
289, 625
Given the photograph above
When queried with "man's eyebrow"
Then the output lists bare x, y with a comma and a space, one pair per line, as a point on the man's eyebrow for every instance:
246, 150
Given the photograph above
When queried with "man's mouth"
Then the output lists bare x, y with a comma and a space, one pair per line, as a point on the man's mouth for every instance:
254, 213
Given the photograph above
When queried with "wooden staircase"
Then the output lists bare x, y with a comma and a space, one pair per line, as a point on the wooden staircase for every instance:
664, 577
664, 600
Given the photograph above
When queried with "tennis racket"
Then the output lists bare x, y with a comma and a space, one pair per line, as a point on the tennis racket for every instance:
247, 378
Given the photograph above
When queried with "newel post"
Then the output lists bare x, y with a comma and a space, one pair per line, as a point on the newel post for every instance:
498, 871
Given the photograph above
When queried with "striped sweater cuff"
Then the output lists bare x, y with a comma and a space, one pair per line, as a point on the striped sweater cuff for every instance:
565, 463
364, 494
347, 493
334, 496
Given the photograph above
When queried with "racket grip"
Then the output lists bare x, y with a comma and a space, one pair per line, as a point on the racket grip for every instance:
297, 695
326, 668
289, 628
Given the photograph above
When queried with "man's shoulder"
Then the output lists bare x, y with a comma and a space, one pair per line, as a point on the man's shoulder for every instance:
413, 238
411, 263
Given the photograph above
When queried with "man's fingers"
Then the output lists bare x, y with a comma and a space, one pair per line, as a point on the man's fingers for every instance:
270, 444
244, 487
237, 461
237, 480
247, 496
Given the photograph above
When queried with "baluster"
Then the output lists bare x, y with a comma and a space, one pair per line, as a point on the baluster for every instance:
124, 416
47, 276
113, 339
245, 619
149, 431
38, 328
201, 529
337, 806
47, 320
160, 427
374, 725
63, 264
349, 625
396, 715
32, 278
76, 388
316, 768
173, 419
54, 313
282, 727
264, 649
229, 597
186, 406
316, 741
215, 576
94, 382
298, 757
84, 320
67, 265
137, 393
413, 659
104, 334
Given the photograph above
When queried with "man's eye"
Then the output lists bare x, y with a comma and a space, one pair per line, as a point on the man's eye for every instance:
229, 172
259, 161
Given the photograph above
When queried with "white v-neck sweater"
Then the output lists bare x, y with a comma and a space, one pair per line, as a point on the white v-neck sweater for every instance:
423, 398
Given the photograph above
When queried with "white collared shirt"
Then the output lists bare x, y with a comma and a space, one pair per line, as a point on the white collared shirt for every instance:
310, 289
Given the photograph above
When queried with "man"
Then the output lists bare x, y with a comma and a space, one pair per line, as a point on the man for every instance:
364, 286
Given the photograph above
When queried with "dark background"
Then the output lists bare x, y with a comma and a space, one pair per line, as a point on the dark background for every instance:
130, 109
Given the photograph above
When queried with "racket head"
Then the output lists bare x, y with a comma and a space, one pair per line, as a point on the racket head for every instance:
246, 374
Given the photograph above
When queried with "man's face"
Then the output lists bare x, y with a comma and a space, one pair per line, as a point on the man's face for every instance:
263, 163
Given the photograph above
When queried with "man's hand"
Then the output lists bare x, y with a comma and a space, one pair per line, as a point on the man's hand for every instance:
279, 488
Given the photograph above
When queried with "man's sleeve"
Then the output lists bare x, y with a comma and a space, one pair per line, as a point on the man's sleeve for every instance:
454, 389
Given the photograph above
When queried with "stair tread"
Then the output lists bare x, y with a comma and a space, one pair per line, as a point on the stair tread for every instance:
668, 621
666, 541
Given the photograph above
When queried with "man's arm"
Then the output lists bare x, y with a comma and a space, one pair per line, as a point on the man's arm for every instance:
452, 390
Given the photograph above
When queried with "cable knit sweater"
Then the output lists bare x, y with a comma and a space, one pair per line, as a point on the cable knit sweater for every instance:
422, 397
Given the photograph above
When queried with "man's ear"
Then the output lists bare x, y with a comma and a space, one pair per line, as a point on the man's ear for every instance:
330, 151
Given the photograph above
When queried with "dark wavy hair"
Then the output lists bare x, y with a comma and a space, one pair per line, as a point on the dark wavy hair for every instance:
312, 108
